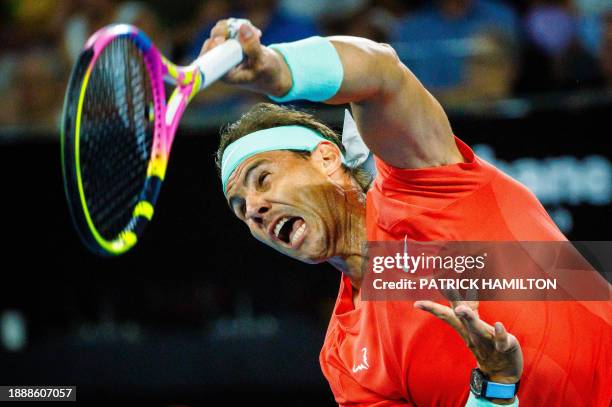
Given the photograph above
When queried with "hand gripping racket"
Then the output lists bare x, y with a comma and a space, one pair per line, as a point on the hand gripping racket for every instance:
117, 129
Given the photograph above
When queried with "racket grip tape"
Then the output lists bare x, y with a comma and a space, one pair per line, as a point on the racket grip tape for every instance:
218, 61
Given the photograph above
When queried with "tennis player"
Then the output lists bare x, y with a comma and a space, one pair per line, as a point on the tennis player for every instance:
288, 177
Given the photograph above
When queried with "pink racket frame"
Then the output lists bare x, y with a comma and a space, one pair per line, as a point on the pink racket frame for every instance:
188, 81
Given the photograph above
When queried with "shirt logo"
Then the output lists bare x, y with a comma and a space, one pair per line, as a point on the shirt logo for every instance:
364, 364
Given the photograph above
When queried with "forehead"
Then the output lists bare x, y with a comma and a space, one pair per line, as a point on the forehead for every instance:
274, 158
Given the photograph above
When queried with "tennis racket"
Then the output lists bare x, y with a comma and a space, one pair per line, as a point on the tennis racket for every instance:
118, 127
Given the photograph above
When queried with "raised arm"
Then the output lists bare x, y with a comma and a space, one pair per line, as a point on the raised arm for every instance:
400, 121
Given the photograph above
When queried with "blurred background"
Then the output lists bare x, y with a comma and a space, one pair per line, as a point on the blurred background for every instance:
200, 313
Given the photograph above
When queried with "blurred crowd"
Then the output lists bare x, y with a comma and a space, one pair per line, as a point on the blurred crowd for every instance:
462, 50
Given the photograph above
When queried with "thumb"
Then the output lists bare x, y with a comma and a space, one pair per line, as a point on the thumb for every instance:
249, 37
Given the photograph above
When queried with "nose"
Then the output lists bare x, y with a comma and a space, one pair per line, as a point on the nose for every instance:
256, 208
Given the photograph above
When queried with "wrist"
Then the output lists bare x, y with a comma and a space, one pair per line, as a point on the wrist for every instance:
503, 379
310, 69
496, 389
276, 77
503, 402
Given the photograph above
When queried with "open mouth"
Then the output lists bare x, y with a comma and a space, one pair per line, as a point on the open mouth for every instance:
290, 230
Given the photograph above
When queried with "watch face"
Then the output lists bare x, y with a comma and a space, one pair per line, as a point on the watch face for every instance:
476, 382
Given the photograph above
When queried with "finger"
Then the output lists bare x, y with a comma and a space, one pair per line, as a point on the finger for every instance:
472, 322
215, 42
444, 313
473, 305
504, 342
440, 311
471, 295
205, 46
219, 30
453, 296
249, 39
457, 298
240, 75
211, 43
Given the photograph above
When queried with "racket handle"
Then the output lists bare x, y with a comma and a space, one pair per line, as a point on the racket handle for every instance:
218, 61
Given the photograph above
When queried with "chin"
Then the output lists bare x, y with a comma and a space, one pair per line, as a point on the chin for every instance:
310, 260
312, 255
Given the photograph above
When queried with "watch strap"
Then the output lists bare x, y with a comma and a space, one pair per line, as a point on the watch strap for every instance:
499, 390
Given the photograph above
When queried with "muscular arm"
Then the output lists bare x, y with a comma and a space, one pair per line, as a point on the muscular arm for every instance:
400, 121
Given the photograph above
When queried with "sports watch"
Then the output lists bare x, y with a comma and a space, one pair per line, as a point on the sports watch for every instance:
483, 388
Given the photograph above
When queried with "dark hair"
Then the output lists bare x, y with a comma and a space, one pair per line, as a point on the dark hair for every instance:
267, 115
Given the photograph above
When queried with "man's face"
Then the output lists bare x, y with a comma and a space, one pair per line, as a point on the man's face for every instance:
287, 201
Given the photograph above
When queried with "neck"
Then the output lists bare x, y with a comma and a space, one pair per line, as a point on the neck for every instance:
352, 239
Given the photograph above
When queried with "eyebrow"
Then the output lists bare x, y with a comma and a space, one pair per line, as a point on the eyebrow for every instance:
250, 169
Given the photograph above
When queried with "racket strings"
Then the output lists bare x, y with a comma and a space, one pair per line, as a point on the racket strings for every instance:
116, 135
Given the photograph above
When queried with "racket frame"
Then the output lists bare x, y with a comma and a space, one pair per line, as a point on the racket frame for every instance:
166, 116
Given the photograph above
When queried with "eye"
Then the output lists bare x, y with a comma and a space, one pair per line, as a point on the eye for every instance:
262, 177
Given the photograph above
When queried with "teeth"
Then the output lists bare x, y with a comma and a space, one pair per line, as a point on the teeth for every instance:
279, 225
298, 233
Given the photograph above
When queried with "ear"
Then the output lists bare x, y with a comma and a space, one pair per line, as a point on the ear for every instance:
327, 156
